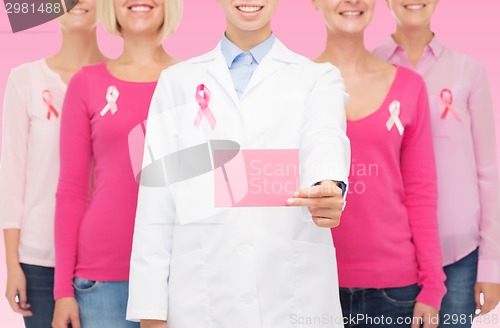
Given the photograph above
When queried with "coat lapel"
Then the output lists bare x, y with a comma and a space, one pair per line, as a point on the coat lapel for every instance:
265, 70
220, 72
270, 64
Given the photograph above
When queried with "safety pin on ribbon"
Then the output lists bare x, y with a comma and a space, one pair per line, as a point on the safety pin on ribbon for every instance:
48, 99
447, 98
111, 97
395, 110
203, 99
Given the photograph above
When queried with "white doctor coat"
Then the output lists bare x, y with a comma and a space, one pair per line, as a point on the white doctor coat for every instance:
266, 267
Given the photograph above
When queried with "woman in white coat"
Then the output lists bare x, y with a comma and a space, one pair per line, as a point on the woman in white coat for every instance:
197, 265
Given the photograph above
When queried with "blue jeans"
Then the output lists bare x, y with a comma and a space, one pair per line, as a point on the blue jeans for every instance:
389, 307
102, 304
40, 292
458, 306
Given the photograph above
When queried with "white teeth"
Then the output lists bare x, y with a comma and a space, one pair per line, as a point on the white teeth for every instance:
77, 11
415, 7
351, 13
140, 9
249, 9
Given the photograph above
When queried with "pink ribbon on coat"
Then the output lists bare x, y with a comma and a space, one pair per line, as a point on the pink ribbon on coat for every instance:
48, 99
447, 98
203, 99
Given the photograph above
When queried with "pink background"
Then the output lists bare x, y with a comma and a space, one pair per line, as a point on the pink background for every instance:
467, 26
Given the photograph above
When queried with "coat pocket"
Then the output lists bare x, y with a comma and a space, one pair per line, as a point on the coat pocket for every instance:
316, 283
188, 291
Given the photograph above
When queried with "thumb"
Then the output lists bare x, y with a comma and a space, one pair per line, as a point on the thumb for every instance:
477, 296
23, 298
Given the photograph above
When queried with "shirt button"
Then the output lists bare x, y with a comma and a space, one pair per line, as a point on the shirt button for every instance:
248, 299
248, 58
244, 250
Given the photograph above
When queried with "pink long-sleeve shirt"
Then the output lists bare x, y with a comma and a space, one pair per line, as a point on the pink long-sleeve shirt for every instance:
464, 142
389, 232
30, 159
94, 228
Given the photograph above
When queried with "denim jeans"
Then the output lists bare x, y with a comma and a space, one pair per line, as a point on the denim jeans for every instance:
458, 306
40, 292
380, 308
102, 304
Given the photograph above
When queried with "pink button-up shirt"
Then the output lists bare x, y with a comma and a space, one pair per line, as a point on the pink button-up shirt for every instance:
464, 142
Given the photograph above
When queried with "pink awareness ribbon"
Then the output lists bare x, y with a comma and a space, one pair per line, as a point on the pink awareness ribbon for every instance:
447, 98
111, 97
203, 99
48, 99
395, 110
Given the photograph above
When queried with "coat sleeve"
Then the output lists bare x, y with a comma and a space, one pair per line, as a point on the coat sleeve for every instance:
325, 149
155, 217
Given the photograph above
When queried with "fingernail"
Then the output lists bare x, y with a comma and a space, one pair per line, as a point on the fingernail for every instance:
289, 201
296, 194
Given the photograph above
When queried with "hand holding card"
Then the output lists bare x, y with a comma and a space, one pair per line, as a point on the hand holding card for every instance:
324, 201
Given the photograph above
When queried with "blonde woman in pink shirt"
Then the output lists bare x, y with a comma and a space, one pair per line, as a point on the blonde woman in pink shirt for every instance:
103, 104
30, 163
467, 172
388, 251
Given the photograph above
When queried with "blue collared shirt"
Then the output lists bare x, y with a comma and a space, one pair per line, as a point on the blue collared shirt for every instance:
242, 64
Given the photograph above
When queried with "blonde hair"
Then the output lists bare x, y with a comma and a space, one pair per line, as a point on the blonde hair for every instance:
173, 13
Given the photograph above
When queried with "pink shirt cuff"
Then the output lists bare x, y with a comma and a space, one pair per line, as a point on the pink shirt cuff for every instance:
488, 271
432, 295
